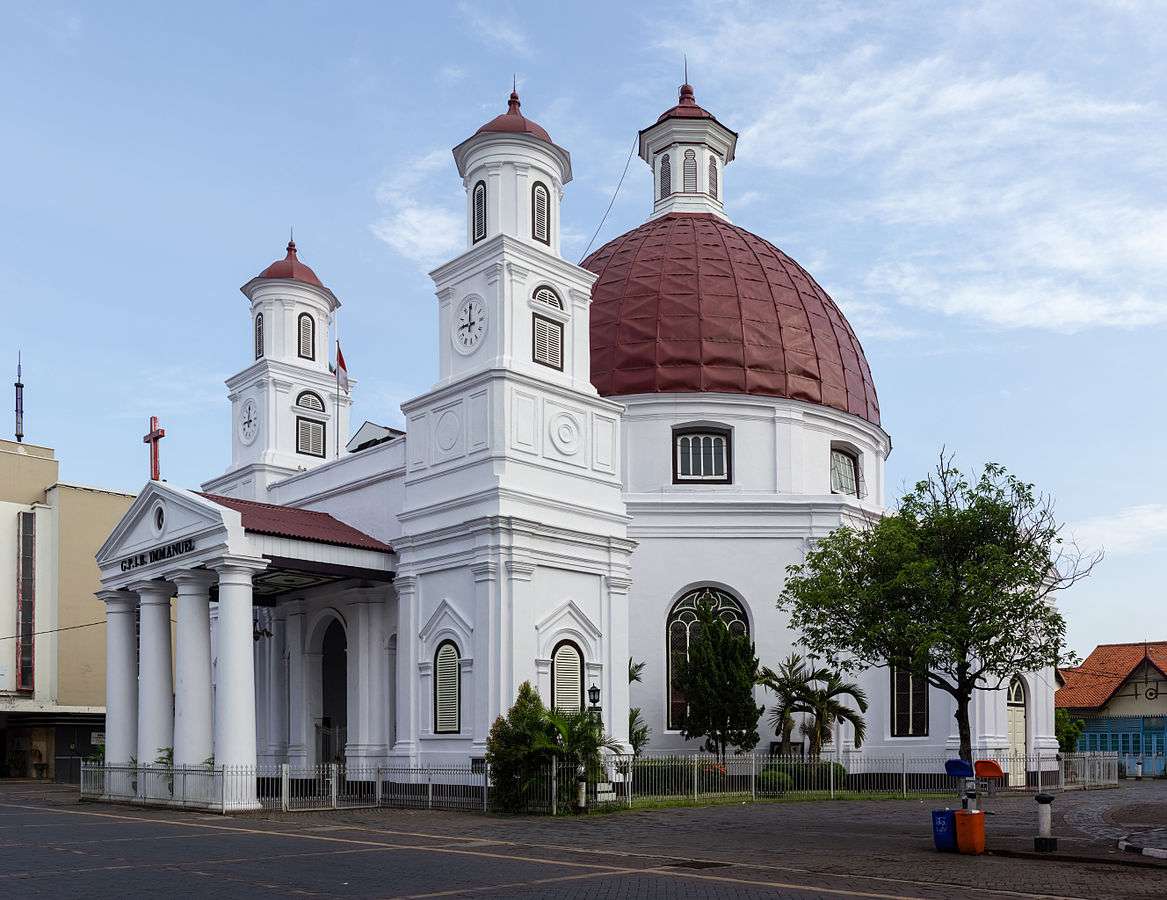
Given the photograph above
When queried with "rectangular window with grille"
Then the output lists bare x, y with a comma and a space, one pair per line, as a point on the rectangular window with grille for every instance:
909, 703
309, 437
25, 600
844, 473
702, 456
548, 342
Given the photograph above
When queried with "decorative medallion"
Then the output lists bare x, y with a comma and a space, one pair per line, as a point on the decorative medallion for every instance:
446, 431
565, 434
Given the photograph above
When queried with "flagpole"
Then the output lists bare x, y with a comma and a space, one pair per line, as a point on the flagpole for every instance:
336, 370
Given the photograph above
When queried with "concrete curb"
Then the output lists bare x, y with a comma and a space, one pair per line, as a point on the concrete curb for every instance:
1127, 846
1077, 858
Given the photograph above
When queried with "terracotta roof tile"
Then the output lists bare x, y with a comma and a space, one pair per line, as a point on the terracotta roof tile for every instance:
1104, 671
302, 524
689, 302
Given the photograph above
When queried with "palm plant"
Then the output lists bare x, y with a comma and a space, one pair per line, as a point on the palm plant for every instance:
638, 730
578, 737
823, 703
789, 683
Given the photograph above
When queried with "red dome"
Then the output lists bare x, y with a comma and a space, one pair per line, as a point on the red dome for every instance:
291, 267
686, 107
514, 122
688, 303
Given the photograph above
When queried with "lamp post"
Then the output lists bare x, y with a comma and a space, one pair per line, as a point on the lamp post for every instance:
594, 700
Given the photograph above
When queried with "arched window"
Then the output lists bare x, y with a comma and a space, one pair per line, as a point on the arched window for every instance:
1016, 695
447, 689
666, 177
309, 400
690, 170
547, 296
702, 454
258, 335
306, 331
567, 673
713, 177
541, 213
679, 631
844, 472
479, 211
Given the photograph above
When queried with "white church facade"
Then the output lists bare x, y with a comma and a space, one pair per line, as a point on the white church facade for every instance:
607, 445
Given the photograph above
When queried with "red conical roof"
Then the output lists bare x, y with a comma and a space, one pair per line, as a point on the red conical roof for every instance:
691, 303
514, 122
290, 267
686, 107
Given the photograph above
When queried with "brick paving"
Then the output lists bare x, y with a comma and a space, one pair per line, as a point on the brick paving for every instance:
52, 846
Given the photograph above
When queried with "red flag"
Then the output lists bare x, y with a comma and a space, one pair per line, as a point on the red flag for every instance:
341, 369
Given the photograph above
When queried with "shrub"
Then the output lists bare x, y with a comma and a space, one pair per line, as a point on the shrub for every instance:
518, 750
773, 781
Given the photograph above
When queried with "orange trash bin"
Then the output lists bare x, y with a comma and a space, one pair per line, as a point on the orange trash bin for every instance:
970, 831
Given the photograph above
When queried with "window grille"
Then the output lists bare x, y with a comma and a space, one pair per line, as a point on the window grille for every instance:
307, 334
25, 600
541, 213
690, 172
844, 473
309, 437
567, 690
309, 400
666, 177
479, 211
259, 335
447, 690
701, 456
679, 630
713, 177
548, 297
909, 703
548, 342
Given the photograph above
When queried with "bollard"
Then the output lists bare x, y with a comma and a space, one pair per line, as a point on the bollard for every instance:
582, 797
1045, 842
1139, 769
970, 799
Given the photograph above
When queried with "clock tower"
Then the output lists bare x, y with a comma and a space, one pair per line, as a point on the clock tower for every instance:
286, 412
514, 531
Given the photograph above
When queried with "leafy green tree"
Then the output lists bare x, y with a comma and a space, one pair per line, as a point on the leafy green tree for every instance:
1067, 730
518, 749
718, 681
956, 582
638, 730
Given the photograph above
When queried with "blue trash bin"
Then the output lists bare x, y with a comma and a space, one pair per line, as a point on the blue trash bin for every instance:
944, 830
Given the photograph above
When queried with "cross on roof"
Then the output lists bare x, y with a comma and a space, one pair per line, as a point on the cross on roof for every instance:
152, 438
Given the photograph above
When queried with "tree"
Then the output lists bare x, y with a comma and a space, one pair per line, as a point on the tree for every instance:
717, 680
638, 730
518, 749
787, 683
1067, 731
957, 582
817, 693
579, 737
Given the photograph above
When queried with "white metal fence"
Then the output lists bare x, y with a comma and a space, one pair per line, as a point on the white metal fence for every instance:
556, 787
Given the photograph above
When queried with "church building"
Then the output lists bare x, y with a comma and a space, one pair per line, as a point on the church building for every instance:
607, 446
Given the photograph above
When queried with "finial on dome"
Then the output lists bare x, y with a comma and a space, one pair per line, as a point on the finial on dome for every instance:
687, 98
685, 56
513, 103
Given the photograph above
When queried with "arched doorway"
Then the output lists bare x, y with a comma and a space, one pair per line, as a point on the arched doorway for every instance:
1015, 706
333, 694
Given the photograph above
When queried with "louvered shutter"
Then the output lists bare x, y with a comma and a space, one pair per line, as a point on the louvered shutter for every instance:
547, 296
548, 343
479, 211
541, 230
309, 437
307, 337
713, 178
259, 335
446, 691
666, 177
567, 678
690, 172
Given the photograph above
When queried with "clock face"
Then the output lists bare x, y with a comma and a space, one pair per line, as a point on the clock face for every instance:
470, 325
248, 421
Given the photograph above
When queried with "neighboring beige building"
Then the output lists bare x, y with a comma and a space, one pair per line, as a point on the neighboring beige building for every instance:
52, 628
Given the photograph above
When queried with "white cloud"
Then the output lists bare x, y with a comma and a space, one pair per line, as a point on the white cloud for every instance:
424, 218
1136, 529
495, 30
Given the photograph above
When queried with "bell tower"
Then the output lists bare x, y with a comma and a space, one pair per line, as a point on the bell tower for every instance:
286, 412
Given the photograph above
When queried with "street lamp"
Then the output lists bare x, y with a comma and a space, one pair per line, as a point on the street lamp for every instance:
594, 699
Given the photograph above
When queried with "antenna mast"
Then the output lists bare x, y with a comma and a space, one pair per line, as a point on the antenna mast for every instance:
19, 402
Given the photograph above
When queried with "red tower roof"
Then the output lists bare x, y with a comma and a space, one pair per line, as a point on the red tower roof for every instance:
686, 107
514, 122
291, 267
691, 303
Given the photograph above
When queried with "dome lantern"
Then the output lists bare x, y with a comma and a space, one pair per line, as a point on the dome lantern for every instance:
687, 150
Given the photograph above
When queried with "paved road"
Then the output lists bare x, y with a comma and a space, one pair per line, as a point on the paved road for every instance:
52, 846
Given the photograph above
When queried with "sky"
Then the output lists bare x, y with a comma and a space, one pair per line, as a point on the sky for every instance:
980, 186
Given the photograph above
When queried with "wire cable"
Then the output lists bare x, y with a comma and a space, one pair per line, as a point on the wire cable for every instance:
619, 183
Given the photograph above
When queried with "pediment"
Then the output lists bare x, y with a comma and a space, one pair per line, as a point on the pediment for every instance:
567, 619
445, 620
163, 524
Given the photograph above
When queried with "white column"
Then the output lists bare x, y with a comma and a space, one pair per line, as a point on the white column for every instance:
405, 747
192, 668
367, 744
277, 707
482, 711
299, 725
121, 677
155, 676
235, 688
615, 641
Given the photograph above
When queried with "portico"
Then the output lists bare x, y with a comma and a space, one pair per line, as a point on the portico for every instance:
247, 579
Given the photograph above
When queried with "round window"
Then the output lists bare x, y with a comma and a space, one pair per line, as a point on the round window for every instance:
159, 518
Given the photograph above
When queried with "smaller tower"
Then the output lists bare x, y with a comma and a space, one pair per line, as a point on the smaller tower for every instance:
687, 150
287, 414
